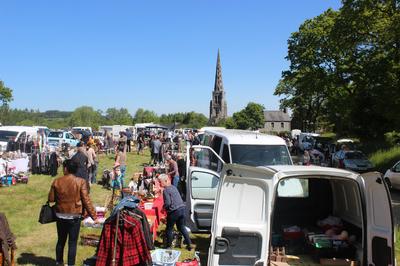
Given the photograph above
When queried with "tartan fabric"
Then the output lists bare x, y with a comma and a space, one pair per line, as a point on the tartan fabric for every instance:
131, 244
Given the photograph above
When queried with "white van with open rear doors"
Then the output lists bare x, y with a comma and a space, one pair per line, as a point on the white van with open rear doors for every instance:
303, 215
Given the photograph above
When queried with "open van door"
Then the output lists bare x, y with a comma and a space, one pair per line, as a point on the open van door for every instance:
379, 238
240, 229
203, 171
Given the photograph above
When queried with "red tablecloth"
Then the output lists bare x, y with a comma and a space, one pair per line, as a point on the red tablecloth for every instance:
157, 213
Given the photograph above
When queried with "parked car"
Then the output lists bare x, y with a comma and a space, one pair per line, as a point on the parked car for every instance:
352, 160
392, 176
57, 138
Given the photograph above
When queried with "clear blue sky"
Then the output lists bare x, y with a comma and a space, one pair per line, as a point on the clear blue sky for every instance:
159, 55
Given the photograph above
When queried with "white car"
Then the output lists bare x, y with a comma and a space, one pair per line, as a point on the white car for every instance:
392, 176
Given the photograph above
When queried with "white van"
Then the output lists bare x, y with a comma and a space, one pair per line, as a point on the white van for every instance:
247, 147
83, 129
254, 208
16, 134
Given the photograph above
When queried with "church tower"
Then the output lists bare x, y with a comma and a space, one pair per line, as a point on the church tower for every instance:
218, 107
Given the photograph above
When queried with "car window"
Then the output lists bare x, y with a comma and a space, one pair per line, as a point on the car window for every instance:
216, 144
354, 155
225, 154
397, 167
55, 135
293, 188
260, 155
204, 185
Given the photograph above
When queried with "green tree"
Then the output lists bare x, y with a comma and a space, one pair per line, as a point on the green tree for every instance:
86, 116
5, 93
145, 116
251, 117
119, 116
345, 68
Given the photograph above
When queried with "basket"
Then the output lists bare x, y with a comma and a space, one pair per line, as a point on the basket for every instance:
164, 257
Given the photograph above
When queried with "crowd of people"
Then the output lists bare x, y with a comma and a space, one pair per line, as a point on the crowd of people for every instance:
71, 191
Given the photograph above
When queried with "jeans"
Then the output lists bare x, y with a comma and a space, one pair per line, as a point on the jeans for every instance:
177, 217
67, 228
123, 171
128, 147
175, 181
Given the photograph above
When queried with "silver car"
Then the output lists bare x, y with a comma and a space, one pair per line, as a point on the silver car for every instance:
352, 160
392, 176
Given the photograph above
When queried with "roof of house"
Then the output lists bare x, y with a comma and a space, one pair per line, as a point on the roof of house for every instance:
276, 116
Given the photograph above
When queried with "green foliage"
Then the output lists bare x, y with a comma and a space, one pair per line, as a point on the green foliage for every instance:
5, 94
251, 117
120, 116
384, 159
86, 116
345, 70
145, 116
393, 138
190, 119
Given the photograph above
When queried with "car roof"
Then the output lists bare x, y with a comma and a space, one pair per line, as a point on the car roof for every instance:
237, 136
283, 171
17, 128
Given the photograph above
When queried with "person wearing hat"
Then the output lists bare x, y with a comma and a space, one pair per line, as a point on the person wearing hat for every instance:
175, 208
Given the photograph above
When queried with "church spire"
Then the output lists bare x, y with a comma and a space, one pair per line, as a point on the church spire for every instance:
218, 106
218, 86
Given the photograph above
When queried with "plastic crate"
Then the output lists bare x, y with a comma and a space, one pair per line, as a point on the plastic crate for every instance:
165, 257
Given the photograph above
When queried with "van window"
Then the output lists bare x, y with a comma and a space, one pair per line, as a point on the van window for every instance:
216, 144
6, 135
56, 134
293, 188
260, 155
225, 154
204, 185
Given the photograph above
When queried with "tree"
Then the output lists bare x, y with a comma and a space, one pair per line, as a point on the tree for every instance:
145, 116
5, 94
119, 116
251, 117
86, 116
344, 69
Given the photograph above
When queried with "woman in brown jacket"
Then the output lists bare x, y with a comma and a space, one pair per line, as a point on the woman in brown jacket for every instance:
71, 197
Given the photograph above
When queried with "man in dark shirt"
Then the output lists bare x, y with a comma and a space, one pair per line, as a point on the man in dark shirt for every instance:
175, 208
81, 159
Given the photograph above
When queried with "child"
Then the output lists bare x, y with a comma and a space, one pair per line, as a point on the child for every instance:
117, 178
133, 185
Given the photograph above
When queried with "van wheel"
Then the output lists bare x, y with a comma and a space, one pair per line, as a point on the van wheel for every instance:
389, 184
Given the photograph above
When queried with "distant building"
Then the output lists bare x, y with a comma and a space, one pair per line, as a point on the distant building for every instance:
218, 106
277, 121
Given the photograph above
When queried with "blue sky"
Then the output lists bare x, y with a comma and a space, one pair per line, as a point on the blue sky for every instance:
158, 55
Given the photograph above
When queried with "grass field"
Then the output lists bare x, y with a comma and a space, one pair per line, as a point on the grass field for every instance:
36, 242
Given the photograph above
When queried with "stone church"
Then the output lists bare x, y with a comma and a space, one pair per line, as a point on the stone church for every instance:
218, 107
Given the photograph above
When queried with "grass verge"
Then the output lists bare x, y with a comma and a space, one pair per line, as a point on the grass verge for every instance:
384, 159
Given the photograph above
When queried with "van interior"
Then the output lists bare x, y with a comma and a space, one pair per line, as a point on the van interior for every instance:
317, 221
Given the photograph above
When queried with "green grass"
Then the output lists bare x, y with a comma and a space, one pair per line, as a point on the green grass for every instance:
384, 159
36, 242
397, 242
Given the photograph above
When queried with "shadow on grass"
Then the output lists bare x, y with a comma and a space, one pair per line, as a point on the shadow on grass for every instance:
202, 242
30, 258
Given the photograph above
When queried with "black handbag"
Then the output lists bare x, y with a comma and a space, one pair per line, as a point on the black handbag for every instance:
47, 214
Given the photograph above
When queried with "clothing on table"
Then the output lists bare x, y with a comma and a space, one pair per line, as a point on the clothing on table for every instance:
131, 248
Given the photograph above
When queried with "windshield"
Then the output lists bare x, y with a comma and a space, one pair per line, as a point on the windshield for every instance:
6, 135
355, 155
56, 135
260, 155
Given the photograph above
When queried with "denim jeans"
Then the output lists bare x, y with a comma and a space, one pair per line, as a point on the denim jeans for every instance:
175, 181
67, 228
177, 217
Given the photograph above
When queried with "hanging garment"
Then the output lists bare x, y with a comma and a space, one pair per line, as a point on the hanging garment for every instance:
53, 164
131, 248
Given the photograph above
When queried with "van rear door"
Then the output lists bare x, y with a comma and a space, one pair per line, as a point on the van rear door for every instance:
379, 240
240, 228
203, 169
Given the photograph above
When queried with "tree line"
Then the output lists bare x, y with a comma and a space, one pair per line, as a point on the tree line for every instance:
344, 73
